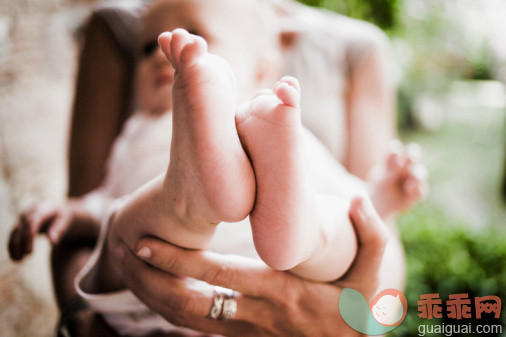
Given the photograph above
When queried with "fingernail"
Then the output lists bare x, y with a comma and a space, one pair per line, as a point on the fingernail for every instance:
366, 208
144, 253
360, 208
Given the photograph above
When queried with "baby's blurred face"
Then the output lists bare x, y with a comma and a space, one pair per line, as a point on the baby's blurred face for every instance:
216, 22
154, 79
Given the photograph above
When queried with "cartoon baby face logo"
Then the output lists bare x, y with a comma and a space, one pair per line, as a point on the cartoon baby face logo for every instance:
383, 314
389, 307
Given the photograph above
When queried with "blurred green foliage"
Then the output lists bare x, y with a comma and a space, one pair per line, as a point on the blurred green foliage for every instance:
445, 256
480, 62
383, 13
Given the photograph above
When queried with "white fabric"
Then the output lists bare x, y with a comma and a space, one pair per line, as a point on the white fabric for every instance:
139, 154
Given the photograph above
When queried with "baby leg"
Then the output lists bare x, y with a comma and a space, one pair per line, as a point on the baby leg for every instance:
293, 228
209, 178
208, 170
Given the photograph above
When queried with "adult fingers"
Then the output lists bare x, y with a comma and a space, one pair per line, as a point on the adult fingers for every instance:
40, 216
248, 276
168, 294
370, 228
372, 237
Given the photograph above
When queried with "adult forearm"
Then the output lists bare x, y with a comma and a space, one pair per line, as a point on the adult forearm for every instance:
370, 115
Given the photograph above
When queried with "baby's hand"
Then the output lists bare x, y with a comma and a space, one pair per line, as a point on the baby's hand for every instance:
400, 181
45, 217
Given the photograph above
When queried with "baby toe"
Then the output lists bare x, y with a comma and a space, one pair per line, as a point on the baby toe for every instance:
180, 38
291, 81
192, 51
164, 43
287, 94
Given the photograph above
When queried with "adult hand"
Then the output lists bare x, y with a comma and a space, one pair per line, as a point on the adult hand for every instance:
270, 303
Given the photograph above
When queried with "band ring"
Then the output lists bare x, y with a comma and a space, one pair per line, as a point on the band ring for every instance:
224, 304
229, 307
217, 308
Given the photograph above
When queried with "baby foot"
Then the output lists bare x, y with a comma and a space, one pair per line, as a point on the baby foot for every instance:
209, 176
271, 132
400, 181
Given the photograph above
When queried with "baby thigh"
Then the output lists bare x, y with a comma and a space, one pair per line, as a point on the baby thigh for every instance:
327, 174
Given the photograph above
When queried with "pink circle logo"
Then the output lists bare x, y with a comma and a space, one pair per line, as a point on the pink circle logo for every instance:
389, 307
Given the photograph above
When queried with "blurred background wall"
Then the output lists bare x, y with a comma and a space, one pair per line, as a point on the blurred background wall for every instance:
451, 57
37, 62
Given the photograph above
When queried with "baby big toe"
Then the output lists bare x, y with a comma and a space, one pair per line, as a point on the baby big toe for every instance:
192, 51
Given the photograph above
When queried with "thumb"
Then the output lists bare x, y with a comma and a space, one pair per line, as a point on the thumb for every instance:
372, 236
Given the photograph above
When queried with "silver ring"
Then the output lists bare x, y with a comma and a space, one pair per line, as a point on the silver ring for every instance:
224, 304
229, 306
217, 308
